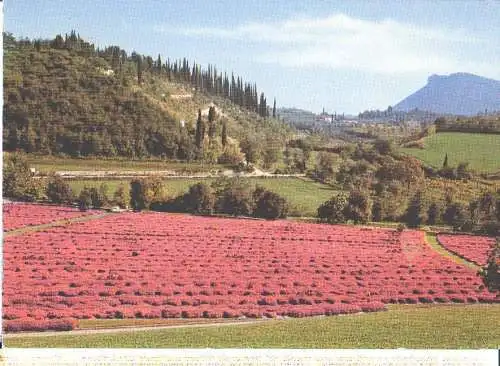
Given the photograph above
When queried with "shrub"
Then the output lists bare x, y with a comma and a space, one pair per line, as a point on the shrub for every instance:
491, 272
85, 199
332, 211
58, 191
358, 208
39, 325
234, 197
143, 192
270, 205
434, 213
401, 227
200, 199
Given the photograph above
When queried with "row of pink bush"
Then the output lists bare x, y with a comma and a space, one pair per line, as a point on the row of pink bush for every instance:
138, 264
18, 215
26, 325
471, 247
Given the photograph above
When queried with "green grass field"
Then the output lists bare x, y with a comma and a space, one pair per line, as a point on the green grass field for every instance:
304, 195
482, 151
403, 326
45, 164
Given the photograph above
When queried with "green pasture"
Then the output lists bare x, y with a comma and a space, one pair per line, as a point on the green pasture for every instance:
403, 326
304, 195
481, 151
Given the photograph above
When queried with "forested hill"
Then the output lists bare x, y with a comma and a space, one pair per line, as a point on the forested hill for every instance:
65, 96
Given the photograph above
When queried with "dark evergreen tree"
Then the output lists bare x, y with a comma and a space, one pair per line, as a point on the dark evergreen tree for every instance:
199, 131
224, 133
212, 128
158, 64
413, 215
332, 211
358, 207
200, 199
59, 191
85, 199
139, 70
270, 205
274, 108
434, 213
445, 162
137, 195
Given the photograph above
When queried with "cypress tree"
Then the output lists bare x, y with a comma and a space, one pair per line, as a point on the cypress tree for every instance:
139, 69
274, 108
445, 163
158, 64
199, 131
211, 122
224, 134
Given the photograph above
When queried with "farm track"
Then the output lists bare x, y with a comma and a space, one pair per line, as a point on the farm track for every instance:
432, 240
125, 329
165, 174
32, 229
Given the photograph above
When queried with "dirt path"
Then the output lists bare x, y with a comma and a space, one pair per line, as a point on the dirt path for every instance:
433, 242
30, 229
167, 174
127, 329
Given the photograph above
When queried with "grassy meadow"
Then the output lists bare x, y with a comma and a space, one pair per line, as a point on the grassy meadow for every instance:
46, 164
403, 326
482, 151
304, 195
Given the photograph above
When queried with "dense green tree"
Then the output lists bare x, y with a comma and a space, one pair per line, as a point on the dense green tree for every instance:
414, 215
200, 199
140, 77
200, 131
251, 146
324, 170
224, 134
377, 213
383, 147
270, 205
98, 196
158, 65
445, 162
234, 197
121, 197
455, 215
271, 152
355, 174
491, 272
333, 210
212, 127
85, 199
17, 177
434, 213
58, 190
142, 193
358, 207
463, 171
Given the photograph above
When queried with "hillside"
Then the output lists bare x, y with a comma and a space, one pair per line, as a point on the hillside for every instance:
65, 97
458, 94
481, 151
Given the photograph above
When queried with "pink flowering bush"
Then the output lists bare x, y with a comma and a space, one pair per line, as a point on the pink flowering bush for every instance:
202, 267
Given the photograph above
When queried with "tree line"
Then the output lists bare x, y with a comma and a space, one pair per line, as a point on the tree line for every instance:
478, 124
59, 98
228, 196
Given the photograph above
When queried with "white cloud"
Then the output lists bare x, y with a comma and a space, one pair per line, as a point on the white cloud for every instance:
343, 42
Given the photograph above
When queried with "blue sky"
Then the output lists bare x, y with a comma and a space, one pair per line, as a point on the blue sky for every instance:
345, 56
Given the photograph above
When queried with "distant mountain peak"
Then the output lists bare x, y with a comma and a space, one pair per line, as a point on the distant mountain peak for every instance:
459, 93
